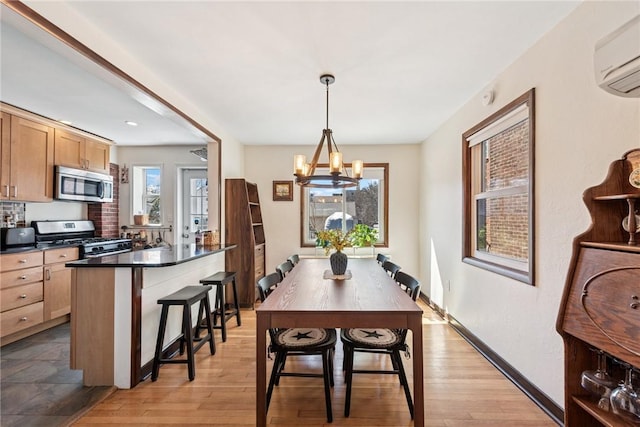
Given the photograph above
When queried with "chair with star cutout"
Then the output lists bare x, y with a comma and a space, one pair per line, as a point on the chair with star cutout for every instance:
298, 342
381, 341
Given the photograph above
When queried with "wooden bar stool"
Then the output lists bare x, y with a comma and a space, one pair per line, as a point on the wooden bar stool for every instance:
185, 297
220, 280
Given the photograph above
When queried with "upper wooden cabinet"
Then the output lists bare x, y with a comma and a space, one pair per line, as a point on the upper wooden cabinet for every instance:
26, 159
76, 151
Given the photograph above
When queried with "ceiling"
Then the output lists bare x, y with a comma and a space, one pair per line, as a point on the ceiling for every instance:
401, 68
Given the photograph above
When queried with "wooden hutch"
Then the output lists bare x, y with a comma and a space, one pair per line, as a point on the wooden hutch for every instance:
600, 306
243, 227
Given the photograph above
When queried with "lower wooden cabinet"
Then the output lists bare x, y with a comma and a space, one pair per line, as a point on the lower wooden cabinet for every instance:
57, 282
35, 291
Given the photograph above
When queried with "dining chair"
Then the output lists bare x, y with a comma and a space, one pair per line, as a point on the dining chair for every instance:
295, 259
391, 268
284, 268
380, 341
298, 342
381, 258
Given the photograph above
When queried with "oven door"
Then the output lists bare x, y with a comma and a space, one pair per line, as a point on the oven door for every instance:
76, 184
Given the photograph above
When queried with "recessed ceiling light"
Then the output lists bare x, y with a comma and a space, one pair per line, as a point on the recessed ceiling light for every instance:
66, 122
130, 123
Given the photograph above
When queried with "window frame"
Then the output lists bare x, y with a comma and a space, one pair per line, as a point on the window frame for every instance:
135, 184
494, 263
385, 204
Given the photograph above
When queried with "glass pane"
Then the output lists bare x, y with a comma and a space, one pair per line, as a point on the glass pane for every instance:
152, 176
198, 204
367, 203
505, 158
503, 226
152, 207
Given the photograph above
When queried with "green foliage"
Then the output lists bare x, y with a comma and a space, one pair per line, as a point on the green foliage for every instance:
363, 236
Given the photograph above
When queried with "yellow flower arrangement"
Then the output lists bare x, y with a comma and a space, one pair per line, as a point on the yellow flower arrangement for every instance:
333, 239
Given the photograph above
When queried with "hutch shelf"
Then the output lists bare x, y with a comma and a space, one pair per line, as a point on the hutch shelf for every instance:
599, 308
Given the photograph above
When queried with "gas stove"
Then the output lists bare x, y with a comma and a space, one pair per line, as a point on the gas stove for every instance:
79, 233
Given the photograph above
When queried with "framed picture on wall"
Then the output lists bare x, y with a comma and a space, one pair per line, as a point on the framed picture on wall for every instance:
283, 191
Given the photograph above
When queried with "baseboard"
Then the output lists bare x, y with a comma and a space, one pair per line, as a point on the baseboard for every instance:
554, 411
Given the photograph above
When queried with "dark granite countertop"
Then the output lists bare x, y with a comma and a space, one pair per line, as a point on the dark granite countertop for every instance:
156, 257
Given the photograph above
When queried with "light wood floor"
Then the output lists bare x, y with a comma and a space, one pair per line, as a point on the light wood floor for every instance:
461, 389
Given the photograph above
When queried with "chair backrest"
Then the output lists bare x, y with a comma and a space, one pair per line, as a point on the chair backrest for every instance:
295, 259
409, 283
267, 284
284, 268
381, 258
391, 268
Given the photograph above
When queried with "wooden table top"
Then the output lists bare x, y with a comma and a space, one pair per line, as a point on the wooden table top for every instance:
370, 290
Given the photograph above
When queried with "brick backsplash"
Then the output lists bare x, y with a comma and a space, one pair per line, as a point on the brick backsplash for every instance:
105, 215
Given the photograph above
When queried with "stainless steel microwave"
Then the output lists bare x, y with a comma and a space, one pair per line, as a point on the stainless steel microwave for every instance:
82, 185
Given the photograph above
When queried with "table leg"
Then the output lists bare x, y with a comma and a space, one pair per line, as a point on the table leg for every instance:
261, 369
415, 324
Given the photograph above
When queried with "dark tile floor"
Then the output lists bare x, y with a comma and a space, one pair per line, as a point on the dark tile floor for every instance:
37, 388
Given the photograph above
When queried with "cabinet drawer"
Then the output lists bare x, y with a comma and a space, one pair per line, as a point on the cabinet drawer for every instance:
259, 272
22, 260
61, 255
20, 318
20, 277
259, 251
19, 296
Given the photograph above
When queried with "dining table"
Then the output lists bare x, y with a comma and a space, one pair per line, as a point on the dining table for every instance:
310, 296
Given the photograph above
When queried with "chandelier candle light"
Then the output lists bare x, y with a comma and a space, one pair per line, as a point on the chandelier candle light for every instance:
304, 172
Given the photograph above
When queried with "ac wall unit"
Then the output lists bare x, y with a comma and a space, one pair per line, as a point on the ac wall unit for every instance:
617, 60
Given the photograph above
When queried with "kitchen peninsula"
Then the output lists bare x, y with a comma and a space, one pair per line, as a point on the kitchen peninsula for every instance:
115, 315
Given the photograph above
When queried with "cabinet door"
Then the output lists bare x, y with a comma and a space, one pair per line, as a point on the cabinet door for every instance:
31, 161
97, 156
57, 291
5, 155
68, 149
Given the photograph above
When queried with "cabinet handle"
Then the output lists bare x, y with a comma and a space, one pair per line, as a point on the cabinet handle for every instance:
23, 319
63, 255
48, 274
6, 186
15, 191
23, 261
23, 277
86, 164
634, 304
23, 296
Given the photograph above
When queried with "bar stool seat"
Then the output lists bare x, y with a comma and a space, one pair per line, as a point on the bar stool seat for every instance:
185, 297
220, 280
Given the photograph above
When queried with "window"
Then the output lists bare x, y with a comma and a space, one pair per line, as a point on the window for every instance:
324, 208
498, 156
147, 193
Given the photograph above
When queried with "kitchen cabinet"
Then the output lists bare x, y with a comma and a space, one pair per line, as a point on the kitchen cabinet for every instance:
27, 160
57, 281
21, 292
76, 151
600, 308
244, 227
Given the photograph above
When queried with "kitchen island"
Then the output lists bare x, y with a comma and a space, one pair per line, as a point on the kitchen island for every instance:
114, 310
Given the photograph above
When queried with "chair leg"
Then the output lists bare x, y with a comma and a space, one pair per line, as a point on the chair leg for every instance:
403, 381
188, 337
236, 302
274, 377
348, 377
223, 315
327, 382
206, 308
331, 357
281, 367
159, 341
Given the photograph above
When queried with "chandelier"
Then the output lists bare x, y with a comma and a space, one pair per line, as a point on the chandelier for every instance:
339, 177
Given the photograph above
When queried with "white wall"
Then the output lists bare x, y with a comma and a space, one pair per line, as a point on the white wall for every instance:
265, 164
580, 130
